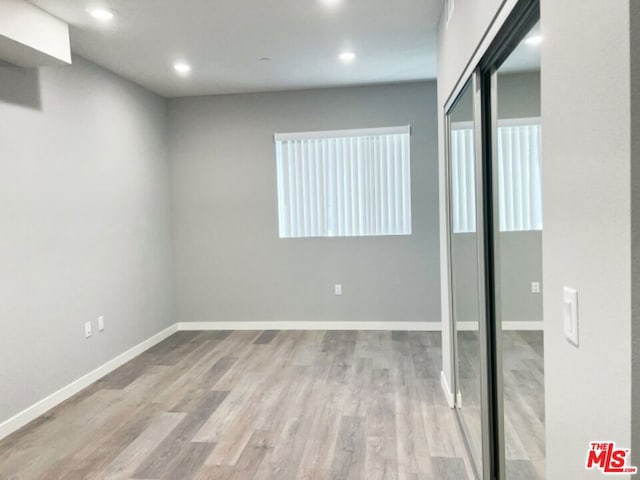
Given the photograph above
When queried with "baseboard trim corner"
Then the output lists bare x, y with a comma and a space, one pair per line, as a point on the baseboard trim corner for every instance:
448, 394
523, 326
29, 414
506, 326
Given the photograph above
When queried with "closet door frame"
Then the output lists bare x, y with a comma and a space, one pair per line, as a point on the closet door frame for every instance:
483, 79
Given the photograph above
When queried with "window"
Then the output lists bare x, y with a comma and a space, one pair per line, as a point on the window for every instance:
519, 176
344, 183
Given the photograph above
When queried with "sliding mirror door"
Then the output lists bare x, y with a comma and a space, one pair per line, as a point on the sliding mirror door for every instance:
494, 202
516, 197
466, 289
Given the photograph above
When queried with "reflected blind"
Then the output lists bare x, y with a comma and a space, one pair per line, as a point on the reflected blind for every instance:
519, 176
344, 183
463, 179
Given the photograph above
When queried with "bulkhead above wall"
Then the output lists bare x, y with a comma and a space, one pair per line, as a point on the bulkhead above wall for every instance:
30, 37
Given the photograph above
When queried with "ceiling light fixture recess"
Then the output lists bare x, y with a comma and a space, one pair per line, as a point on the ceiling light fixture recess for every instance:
331, 3
183, 69
347, 57
102, 14
534, 40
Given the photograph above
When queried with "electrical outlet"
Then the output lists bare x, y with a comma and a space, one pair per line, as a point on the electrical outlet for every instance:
100, 323
535, 287
87, 330
337, 289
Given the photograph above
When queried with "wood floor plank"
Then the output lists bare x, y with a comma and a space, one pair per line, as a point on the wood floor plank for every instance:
189, 462
171, 451
94, 456
175, 450
348, 460
381, 456
446, 468
266, 337
130, 459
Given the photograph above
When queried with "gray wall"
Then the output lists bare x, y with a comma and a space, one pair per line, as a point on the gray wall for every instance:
586, 156
586, 159
84, 216
230, 263
586, 241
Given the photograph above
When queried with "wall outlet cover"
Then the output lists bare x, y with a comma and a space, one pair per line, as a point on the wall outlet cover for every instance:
337, 289
100, 323
87, 330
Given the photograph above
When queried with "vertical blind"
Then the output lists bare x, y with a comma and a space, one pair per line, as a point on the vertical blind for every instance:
519, 176
344, 183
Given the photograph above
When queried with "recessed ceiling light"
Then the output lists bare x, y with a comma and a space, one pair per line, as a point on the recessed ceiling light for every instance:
347, 57
265, 59
101, 14
534, 40
182, 68
330, 3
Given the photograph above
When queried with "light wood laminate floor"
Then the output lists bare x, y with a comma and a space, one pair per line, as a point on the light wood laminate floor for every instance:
254, 405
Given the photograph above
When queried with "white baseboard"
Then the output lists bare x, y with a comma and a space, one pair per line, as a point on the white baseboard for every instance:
467, 326
529, 326
31, 413
447, 390
506, 326
330, 325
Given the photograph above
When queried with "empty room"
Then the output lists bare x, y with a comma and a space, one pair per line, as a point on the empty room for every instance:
319, 239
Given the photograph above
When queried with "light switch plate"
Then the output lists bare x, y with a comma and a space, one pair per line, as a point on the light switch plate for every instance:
570, 313
87, 330
535, 287
100, 323
337, 289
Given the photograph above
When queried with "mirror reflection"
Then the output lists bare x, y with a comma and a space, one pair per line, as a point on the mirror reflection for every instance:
464, 269
518, 196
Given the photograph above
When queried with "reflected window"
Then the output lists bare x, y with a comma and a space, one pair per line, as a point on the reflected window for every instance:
519, 174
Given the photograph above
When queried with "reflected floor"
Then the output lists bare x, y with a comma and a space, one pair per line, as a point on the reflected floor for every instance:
523, 362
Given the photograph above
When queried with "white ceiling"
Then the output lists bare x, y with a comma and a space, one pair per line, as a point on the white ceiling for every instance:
223, 40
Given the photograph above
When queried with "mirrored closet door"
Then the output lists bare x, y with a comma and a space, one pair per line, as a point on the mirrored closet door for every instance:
465, 262
494, 204
516, 202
